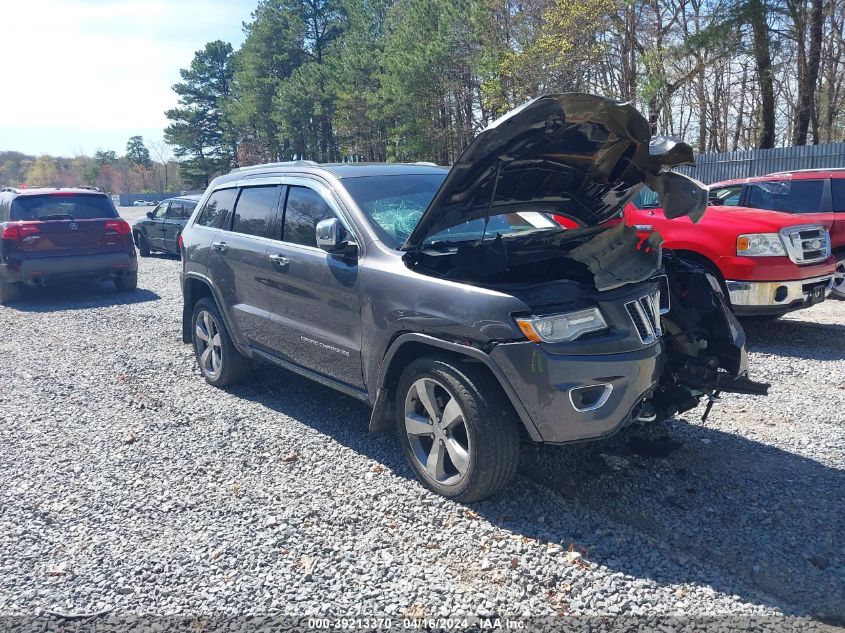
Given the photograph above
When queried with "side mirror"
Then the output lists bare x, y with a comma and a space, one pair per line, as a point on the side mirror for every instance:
150, 215
332, 236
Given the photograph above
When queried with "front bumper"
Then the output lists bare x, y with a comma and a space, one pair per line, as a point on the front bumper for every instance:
46, 268
573, 398
777, 297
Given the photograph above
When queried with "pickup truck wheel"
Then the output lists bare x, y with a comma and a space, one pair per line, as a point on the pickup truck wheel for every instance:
143, 245
219, 360
127, 282
8, 292
458, 433
839, 279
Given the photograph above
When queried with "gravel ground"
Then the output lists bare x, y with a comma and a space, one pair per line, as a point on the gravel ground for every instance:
129, 485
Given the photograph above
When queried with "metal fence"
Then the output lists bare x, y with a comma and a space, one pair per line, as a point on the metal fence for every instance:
711, 168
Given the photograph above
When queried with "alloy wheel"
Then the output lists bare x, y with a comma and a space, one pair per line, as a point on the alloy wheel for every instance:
437, 432
209, 344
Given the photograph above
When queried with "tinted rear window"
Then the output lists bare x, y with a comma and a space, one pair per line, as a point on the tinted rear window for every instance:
255, 211
62, 206
838, 191
218, 208
790, 196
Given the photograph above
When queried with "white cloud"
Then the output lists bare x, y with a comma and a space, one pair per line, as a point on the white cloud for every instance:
103, 65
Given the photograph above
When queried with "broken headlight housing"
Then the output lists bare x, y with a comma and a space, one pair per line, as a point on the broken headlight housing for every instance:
760, 245
559, 328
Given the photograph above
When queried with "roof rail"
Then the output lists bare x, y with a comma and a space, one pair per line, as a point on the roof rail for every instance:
284, 163
425, 162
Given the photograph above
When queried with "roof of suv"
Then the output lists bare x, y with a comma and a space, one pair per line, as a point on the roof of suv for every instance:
798, 174
338, 170
40, 191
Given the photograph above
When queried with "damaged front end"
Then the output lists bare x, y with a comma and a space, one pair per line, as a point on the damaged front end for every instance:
704, 353
574, 161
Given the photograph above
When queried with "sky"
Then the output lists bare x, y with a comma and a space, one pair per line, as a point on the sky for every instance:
83, 75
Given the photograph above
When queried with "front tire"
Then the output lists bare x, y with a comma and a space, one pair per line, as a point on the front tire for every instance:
839, 279
219, 360
458, 432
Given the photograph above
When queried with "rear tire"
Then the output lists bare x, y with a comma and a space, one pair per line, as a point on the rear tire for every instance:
9, 292
127, 282
219, 360
458, 432
143, 245
839, 279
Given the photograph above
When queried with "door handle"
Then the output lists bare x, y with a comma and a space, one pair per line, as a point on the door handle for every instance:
280, 261
220, 246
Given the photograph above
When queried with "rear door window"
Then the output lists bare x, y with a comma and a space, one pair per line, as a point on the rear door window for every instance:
188, 209
62, 206
305, 208
837, 189
256, 211
175, 211
789, 196
218, 208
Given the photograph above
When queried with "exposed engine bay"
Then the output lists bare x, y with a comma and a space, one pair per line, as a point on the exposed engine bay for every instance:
703, 343
533, 208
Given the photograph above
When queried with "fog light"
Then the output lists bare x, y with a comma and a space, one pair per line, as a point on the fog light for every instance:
590, 397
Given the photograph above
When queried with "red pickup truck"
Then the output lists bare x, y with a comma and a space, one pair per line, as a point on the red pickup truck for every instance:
767, 240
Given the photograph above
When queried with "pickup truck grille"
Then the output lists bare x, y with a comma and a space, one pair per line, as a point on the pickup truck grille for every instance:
645, 314
806, 244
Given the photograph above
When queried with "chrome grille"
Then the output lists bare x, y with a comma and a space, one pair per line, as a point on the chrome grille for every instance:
806, 243
645, 314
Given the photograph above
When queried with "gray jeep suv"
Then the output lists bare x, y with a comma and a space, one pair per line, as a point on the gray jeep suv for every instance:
471, 307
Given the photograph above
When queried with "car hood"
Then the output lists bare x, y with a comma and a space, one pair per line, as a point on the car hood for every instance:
576, 155
763, 219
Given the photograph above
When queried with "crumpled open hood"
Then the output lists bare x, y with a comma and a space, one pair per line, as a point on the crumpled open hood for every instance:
572, 154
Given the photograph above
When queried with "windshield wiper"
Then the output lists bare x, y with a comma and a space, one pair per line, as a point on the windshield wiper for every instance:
56, 216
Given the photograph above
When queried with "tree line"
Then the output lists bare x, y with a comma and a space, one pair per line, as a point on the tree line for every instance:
141, 170
406, 80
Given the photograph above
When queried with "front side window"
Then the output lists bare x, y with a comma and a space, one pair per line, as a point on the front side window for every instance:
304, 209
646, 199
62, 206
218, 208
255, 211
726, 196
160, 211
394, 204
789, 196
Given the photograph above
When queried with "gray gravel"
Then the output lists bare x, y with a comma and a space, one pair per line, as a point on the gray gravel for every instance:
127, 484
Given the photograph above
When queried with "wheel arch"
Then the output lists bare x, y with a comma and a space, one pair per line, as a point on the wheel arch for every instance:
193, 289
408, 347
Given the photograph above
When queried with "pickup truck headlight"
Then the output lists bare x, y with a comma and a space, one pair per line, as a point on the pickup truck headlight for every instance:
557, 328
760, 245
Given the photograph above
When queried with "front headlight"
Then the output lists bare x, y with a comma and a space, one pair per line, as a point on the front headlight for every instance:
760, 245
557, 328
